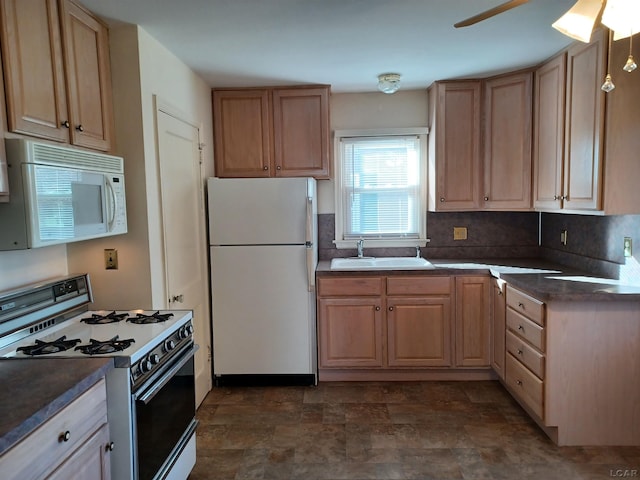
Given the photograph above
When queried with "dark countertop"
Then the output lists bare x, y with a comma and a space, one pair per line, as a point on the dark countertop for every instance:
33, 390
541, 279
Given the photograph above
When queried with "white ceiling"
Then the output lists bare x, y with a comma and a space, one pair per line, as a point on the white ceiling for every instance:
344, 43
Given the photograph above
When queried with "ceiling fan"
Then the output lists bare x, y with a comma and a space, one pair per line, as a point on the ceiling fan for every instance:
503, 7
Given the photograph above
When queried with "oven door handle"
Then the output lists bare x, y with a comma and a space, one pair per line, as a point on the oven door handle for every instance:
146, 396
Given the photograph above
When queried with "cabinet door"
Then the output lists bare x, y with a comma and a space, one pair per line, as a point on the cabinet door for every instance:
89, 462
301, 132
548, 142
457, 146
350, 332
584, 124
34, 71
86, 48
242, 133
507, 142
498, 325
419, 332
472, 322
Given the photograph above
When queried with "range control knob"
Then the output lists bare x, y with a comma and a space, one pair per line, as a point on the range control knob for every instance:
169, 345
154, 359
186, 331
145, 366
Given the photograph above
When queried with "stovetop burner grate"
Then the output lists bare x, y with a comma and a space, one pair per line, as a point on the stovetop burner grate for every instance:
97, 319
157, 317
45, 348
97, 347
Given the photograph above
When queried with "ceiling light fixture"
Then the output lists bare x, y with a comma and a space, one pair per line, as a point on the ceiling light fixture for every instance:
622, 17
389, 82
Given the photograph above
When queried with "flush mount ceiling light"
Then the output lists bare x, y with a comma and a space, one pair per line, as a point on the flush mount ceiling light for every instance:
389, 82
622, 17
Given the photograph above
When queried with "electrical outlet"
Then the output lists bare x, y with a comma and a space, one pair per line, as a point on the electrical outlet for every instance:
459, 233
110, 259
628, 251
563, 237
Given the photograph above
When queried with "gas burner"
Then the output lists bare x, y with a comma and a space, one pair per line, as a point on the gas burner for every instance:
142, 318
97, 319
44, 348
109, 346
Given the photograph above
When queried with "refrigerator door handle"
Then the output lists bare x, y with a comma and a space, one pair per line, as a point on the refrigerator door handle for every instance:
311, 269
308, 237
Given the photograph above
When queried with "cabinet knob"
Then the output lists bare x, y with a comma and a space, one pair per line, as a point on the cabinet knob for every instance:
520, 327
278, 167
65, 124
521, 305
519, 382
520, 352
441, 199
486, 199
64, 437
178, 298
109, 447
377, 309
265, 168
80, 128
556, 197
391, 309
499, 293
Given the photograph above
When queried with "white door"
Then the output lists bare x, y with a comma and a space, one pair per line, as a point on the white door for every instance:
185, 243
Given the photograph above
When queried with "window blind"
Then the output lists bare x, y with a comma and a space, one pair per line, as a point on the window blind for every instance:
381, 187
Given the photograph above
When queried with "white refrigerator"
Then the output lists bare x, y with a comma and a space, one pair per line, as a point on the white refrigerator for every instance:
263, 254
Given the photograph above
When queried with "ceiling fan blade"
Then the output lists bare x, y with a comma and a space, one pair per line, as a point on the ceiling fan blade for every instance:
503, 7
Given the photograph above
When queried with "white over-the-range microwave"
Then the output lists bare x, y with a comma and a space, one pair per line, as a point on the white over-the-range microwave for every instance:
60, 195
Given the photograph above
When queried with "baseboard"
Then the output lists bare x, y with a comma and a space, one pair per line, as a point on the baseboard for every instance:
264, 380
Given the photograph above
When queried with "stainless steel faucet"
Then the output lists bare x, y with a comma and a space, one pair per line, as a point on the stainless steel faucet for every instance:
418, 255
360, 245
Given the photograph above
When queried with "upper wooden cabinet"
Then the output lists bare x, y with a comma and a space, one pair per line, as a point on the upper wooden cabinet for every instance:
464, 115
508, 116
454, 145
272, 132
57, 74
568, 167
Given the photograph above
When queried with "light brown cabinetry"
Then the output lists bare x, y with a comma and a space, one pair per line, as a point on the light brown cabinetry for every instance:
472, 324
272, 132
57, 73
498, 325
508, 108
419, 322
403, 326
578, 186
72, 444
454, 145
525, 349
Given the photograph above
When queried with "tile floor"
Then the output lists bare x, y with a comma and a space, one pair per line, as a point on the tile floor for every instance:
413, 430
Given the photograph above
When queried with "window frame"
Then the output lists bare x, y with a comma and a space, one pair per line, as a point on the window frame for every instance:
339, 241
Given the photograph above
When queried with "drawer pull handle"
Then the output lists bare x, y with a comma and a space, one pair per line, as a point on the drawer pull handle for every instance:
64, 437
500, 293
377, 309
521, 305
519, 382
520, 352
521, 328
110, 446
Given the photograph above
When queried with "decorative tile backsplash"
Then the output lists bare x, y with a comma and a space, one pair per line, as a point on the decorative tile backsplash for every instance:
595, 244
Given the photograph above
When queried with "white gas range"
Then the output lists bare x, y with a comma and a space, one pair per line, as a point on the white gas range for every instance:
153, 358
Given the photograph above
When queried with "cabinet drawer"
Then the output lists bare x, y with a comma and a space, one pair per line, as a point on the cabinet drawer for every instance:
525, 329
526, 305
530, 357
349, 286
525, 385
419, 285
81, 418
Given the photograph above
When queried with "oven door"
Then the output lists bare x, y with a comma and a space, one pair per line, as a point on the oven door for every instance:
164, 413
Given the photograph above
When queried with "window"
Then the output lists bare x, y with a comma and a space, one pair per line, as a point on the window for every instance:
381, 188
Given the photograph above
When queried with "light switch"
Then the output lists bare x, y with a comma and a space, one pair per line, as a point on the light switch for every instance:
110, 259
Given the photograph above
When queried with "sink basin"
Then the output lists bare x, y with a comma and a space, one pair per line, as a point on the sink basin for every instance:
380, 263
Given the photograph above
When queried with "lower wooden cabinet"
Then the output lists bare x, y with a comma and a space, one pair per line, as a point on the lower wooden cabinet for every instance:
74, 443
498, 325
403, 322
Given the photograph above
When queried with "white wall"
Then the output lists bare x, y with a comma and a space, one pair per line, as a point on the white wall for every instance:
141, 70
29, 266
351, 111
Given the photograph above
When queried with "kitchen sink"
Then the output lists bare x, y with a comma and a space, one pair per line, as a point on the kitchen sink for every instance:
380, 263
